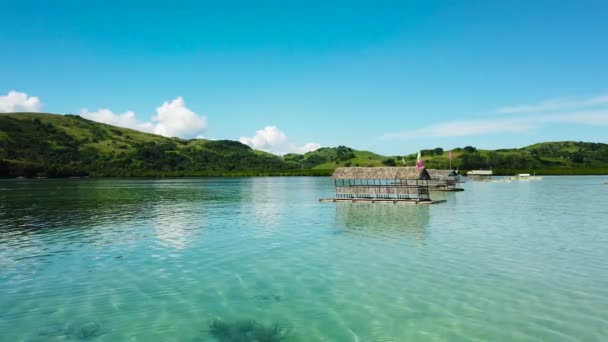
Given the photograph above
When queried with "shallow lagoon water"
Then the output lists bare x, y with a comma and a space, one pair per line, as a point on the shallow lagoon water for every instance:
159, 260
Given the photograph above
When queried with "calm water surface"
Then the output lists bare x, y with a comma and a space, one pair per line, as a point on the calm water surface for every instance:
158, 260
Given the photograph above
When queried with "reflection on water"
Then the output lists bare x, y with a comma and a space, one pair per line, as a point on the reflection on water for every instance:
174, 226
262, 200
34, 209
383, 218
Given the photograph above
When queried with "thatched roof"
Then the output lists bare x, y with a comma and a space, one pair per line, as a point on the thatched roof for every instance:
441, 174
410, 172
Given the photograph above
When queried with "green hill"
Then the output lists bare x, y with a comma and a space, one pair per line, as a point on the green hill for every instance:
34, 144
332, 157
50, 145
567, 157
563, 157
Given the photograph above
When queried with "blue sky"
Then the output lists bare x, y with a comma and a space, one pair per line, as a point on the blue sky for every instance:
392, 77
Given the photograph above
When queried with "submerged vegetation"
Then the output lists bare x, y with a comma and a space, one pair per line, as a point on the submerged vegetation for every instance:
247, 331
73, 330
49, 145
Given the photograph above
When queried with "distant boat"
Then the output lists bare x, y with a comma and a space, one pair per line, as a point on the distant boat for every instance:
524, 176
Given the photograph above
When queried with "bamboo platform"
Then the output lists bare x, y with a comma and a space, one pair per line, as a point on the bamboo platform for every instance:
379, 200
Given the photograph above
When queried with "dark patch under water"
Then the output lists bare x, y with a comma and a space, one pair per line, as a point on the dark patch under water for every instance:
79, 331
273, 298
247, 331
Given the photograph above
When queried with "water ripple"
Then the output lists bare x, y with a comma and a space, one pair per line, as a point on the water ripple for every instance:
160, 259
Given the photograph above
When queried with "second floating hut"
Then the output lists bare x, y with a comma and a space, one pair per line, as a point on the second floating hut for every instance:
444, 180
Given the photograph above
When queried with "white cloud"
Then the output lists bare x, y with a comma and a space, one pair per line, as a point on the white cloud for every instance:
598, 117
272, 139
490, 126
555, 105
172, 119
590, 111
307, 148
15, 101
462, 128
266, 138
126, 119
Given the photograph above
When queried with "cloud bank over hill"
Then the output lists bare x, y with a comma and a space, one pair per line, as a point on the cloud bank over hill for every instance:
126, 119
172, 119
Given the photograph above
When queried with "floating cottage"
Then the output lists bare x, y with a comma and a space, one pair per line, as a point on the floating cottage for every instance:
444, 180
480, 174
382, 184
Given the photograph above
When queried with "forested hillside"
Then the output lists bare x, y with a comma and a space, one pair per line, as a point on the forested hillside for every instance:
50, 145
68, 145
566, 157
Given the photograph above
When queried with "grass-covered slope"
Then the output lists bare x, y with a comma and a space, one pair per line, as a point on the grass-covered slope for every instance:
332, 157
34, 144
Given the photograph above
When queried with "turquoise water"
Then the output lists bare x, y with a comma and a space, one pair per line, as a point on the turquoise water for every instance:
159, 260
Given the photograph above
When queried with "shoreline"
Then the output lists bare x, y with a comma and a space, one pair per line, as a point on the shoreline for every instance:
304, 173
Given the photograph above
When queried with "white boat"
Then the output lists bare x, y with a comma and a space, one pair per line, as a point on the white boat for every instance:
525, 176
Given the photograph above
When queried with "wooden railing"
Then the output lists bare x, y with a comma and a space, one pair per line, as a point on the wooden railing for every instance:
413, 192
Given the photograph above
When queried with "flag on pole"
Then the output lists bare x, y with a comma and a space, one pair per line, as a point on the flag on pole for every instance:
450, 158
419, 162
